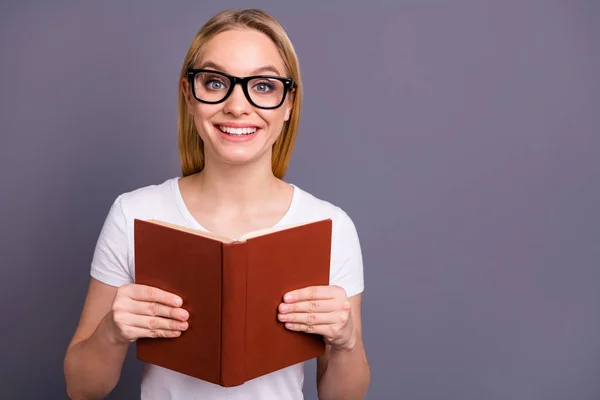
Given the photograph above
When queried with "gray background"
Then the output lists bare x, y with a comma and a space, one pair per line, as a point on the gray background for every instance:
461, 137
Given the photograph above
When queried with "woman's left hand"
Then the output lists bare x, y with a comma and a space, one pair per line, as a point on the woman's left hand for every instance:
323, 310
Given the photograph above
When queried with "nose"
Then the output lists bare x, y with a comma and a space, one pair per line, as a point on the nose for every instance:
237, 104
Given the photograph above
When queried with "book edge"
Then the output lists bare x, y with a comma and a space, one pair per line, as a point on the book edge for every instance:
273, 230
243, 238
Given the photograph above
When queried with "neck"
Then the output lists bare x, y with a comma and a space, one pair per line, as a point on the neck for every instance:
238, 187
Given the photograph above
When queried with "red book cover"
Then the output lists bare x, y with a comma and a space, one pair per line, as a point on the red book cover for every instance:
232, 289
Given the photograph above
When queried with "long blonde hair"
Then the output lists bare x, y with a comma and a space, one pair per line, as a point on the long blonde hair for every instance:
191, 147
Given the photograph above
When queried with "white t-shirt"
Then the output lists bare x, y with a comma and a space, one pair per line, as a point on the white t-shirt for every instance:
113, 263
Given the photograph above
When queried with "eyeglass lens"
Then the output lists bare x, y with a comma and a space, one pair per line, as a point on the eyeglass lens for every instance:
264, 92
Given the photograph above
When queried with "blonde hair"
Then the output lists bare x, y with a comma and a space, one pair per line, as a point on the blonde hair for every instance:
191, 147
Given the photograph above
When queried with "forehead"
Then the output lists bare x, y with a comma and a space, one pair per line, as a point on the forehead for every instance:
241, 52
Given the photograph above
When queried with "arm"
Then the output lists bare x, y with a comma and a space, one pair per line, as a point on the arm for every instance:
344, 373
94, 357
334, 311
111, 319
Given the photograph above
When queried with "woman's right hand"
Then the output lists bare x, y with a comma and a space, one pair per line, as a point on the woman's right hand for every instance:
140, 311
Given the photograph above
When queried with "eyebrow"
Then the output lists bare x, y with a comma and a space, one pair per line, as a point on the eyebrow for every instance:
258, 71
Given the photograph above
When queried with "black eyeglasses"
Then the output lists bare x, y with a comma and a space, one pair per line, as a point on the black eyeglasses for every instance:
262, 91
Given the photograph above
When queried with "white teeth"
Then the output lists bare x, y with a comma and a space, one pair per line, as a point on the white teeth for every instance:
237, 131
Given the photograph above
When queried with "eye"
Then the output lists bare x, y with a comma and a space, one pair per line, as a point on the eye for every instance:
264, 86
214, 84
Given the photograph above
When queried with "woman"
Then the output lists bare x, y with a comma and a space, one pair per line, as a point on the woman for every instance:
235, 140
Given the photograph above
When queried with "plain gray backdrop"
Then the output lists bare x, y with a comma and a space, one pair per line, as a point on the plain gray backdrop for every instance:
462, 137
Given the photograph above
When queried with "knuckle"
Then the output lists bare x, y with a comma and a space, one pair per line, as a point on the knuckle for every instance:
340, 291
118, 317
310, 318
116, 307
126, 332
312, 306
153, 308
125, 290
334, 331
118, 303
129, 333
308, 328
148, 292
152, 323
313, 291
343, 318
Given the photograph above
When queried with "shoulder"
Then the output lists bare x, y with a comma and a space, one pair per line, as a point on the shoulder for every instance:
147, 201
148, 195
346, 252
311, 207
112, 262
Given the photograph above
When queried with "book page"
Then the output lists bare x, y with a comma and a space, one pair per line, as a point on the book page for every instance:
243, 238
265, 231
193, 231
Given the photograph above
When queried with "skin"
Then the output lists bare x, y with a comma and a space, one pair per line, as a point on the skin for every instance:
235, 193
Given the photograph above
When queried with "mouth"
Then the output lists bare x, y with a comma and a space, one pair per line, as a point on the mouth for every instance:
238, 131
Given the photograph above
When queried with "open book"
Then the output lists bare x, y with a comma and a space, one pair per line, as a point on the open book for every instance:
232, 288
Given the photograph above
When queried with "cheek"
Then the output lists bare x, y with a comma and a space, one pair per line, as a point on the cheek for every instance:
274, 118
202, 116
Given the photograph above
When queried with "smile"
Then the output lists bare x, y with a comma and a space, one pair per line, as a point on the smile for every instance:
237, 131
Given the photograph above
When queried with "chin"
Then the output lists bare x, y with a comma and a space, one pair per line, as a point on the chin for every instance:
238, 156
238, 159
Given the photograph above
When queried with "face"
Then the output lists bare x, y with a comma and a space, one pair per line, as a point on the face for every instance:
235, 131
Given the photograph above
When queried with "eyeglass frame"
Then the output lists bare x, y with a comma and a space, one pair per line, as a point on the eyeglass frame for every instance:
288, 85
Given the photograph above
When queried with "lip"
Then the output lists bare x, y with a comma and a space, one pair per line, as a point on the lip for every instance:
237, 139
236, 125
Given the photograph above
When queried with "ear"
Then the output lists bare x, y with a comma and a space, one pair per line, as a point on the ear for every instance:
185, 87
289, 105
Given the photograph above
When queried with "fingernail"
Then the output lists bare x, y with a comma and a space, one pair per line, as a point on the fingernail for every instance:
283, 308
177, 301
282, 317
288, 297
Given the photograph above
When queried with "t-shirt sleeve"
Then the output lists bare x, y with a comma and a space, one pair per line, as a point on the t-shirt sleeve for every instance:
110, 260
347, 261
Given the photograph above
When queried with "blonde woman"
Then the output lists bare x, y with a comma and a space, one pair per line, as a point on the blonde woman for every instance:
239, 109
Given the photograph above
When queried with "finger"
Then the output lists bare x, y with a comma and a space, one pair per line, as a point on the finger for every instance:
312, 318
152, 294
157, 310
156, 323
134, 332
310, 293
321, 329
311, 306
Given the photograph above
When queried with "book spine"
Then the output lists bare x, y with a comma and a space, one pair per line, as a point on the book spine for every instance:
233, 314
